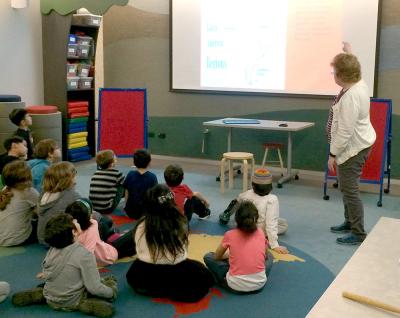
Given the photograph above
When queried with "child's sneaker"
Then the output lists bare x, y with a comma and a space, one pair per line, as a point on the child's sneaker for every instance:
206, 215
226, 215
96, 307
29, 297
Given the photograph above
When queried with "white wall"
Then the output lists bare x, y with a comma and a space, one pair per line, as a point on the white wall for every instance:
21, 52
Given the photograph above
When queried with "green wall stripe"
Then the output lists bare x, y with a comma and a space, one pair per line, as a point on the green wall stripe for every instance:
184, 137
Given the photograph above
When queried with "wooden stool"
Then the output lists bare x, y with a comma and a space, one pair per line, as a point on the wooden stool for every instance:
236, 156
277, 147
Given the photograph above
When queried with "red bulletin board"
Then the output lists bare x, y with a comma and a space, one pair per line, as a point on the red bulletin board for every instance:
379, 158
123, 120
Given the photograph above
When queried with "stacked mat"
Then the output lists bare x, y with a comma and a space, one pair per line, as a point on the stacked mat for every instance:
78, 115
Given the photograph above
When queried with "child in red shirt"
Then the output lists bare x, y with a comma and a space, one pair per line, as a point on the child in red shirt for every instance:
248, 266
188, 202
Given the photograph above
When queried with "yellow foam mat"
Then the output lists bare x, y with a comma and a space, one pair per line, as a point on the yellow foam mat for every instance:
77, 145
77, 135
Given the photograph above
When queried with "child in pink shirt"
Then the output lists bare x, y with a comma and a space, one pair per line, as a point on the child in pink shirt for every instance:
89, 237
248, 266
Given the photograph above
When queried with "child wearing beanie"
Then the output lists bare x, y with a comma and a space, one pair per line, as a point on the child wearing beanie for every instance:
267, 205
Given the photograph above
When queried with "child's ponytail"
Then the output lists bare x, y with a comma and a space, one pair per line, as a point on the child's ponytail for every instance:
5, 197
16, 175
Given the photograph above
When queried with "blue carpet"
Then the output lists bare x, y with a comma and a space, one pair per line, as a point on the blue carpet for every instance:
291, 290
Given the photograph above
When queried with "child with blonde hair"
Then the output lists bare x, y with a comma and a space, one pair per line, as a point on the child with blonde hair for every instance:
58, 192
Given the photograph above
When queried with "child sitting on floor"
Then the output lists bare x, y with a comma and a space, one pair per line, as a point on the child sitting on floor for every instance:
162, 268
106, 188
72, 280
18, 200
46, 152
137, 182
188, 202
106, 254
15, 149
268, 208
22, 119
248, 266
59, 192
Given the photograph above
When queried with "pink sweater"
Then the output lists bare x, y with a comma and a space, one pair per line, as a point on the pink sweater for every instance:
105, 253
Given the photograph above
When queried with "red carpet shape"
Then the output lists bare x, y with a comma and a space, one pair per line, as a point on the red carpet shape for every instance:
121, 219
190, 308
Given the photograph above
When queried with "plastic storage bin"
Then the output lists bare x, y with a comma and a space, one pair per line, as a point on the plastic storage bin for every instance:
83, 51
71, 69
83, 70
71, 39
84, 40
85, 82
72, 50
86, 19
72, 83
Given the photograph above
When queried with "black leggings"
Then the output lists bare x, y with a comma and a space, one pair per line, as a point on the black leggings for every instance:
196, 206
187, 281
125, 245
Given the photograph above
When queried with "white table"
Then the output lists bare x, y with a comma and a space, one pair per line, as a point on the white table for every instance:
373, 271
292, 126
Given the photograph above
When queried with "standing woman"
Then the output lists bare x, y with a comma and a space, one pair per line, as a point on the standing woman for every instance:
351, 137
162, 268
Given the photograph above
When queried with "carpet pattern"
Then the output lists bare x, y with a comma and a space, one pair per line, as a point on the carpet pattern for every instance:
295, 283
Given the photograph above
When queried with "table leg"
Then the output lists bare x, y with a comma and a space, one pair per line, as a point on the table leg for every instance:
289, 173
229, 139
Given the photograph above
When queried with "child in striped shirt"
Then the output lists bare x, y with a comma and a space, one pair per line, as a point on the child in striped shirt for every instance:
106, 188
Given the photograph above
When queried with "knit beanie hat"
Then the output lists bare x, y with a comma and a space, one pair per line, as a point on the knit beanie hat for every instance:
262, 176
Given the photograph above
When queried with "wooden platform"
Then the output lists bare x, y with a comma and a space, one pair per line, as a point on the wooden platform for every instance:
373, 271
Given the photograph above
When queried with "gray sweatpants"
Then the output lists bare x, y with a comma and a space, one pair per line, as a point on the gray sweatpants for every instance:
349, 174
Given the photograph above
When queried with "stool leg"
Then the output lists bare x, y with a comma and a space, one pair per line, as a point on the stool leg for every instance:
222, 175
252, 166
245, 175
281, 162
264, 158
230, 163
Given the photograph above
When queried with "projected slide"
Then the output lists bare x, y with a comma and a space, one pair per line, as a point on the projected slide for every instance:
272, 46
243, 48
